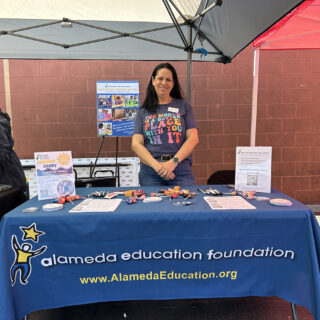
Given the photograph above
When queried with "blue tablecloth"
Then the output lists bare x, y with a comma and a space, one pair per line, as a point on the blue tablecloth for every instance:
157, 251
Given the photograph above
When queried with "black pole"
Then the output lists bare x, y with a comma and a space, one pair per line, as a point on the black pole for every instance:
189, 60
117, 167
95, 163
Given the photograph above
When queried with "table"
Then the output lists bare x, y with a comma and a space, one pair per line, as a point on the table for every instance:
158, 251
11, 198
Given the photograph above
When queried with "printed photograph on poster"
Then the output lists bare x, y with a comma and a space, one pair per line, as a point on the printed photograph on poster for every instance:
117, 105
105, 129
54, 171
132, 101
131, 114
118, 115
104, 114
118, 101
104, 101
253, 169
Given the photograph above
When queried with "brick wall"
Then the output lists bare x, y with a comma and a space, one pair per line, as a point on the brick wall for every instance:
54, 108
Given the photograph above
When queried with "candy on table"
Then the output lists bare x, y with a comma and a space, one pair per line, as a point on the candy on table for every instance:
187, 193
111, 195
169, 192
96, 194
64, 199
131, 200
142, 197
248, 194
139, 193
175, 192
129, 193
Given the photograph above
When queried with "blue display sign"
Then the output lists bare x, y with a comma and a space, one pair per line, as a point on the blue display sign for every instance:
117, 105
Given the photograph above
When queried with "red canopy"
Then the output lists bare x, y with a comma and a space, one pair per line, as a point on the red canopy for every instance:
300, 29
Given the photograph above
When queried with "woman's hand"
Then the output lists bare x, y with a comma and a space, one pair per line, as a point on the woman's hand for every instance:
163, 169
166, 169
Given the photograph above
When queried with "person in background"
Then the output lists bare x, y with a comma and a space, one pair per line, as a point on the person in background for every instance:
165, 132
11, 171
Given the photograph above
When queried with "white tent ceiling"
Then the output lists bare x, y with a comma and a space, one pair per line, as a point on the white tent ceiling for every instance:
98, 10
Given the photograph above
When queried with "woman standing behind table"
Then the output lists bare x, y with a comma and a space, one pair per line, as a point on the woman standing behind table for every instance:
165, 132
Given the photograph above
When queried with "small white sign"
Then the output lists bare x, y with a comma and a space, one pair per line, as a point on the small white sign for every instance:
253, 169
54, 172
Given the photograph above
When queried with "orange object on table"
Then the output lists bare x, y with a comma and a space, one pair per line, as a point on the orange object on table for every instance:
129, 193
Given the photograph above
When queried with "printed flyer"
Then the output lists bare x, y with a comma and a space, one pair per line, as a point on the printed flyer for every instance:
253, 169
117, 105
54, 172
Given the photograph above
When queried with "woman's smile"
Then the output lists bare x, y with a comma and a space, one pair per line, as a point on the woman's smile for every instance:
163, 84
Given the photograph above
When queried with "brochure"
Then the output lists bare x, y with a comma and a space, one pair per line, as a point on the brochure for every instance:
227, 203
54, 172
253, 169
97, 205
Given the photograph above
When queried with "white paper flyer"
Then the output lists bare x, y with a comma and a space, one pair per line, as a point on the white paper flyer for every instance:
253, 169
97, 205
54, 172
228, 203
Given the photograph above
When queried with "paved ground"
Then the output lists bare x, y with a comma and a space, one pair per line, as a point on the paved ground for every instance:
249, 308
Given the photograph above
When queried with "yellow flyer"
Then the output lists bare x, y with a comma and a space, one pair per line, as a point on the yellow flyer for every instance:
54, 172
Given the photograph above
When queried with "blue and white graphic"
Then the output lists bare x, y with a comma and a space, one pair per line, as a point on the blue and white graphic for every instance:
117, 104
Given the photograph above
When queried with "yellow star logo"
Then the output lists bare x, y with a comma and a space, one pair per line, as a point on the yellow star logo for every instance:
31, 232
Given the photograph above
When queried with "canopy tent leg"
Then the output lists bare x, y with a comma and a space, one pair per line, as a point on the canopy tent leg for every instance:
189, 43
294, 312
189, 60
254, 97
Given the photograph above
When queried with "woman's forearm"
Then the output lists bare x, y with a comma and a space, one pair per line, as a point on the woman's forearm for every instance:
188, 146
184, 151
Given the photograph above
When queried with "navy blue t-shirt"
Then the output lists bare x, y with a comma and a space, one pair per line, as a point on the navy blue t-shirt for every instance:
165, 131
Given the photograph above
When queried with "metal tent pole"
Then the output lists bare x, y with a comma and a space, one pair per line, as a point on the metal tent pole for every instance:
117, 167
254, 97
189, 59
294, 312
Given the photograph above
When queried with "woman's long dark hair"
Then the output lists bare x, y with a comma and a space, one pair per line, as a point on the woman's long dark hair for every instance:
151, 101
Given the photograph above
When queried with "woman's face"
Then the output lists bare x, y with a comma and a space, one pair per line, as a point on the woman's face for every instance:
163, 83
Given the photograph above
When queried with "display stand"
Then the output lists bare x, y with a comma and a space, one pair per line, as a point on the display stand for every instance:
116, 164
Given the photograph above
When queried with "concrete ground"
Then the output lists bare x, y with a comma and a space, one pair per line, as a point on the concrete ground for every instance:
248, 308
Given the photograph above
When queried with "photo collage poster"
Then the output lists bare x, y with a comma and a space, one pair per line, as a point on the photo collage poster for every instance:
117, 105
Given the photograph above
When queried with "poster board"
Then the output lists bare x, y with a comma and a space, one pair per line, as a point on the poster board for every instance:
253, 169
54, 171
117, 105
